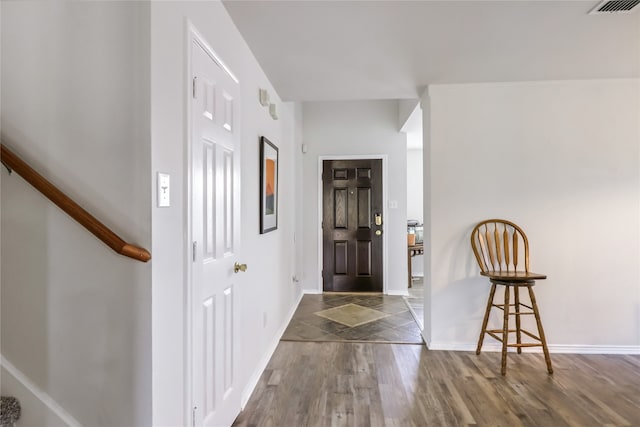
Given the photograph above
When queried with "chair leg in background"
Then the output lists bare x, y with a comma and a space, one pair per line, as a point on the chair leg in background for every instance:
486, 318
505, 330
536, 313
516, 295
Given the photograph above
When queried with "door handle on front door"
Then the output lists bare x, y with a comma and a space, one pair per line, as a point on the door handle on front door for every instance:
239, 267
378, 218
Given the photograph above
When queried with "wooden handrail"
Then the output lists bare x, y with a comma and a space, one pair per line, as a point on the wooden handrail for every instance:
88, 221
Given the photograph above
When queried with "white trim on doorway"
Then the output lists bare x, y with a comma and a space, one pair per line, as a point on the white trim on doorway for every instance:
385, 211
191, 34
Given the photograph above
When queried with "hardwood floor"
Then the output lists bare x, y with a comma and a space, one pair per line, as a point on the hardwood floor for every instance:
364, 384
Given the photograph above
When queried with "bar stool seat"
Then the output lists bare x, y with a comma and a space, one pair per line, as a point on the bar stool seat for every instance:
498, 245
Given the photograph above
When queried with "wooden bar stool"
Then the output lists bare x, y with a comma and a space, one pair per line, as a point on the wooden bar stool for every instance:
498, 246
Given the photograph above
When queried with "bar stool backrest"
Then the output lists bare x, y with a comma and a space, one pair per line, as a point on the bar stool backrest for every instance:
500, 245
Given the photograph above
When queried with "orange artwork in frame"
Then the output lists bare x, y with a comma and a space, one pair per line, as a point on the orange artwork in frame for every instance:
268, 186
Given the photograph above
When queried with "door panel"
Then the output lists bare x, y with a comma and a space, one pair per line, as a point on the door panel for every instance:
340, 207
352, 252
364, 207
363, 260
340, 258
215, 214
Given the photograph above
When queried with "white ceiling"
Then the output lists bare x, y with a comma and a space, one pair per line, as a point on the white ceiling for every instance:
338, 50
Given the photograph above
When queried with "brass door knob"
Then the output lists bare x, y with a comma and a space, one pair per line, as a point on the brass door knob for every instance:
239, 267
378, 233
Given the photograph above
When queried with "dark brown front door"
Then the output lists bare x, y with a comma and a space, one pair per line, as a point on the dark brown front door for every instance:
352, 225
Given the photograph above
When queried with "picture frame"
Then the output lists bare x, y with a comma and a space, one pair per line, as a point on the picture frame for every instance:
268, 186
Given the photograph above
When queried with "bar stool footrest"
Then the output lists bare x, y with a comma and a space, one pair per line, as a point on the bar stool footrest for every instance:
494, 334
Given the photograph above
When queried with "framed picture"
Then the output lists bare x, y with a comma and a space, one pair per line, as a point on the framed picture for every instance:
268, 186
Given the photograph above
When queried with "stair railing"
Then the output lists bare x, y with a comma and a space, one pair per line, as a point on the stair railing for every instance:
75, 211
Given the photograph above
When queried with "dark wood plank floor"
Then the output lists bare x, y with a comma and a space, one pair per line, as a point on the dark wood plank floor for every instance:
363, 384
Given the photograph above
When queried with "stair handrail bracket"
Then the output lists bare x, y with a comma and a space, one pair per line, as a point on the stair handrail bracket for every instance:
14, 163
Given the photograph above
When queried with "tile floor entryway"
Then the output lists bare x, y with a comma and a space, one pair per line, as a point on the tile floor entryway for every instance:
353, 317
415, 300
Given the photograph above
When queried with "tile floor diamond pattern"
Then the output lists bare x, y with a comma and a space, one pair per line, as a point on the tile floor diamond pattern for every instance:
379, 318
352, 315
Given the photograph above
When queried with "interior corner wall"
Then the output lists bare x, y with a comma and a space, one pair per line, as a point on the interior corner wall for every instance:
425, 106
355, 128
76, 317
299, 185
406, 107
266, 292
562, 160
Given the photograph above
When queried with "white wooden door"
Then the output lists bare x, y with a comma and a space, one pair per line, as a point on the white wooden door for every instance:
215, 210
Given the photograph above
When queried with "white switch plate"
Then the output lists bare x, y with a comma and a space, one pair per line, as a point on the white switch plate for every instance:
164, 190
393, 204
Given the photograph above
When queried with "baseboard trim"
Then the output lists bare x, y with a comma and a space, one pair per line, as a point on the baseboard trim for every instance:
404, 293
594, 349
553, 348
317, 292
38, 393
448, 346
264, 361
427, 341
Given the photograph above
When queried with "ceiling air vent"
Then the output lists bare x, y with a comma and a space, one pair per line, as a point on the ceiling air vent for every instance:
614, 6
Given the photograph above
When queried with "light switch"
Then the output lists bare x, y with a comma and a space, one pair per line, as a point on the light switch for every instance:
393, 204
164, 195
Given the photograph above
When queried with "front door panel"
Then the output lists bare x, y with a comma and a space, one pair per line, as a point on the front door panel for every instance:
352, 241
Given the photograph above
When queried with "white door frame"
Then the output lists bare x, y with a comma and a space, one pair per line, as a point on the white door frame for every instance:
192, 35
385, 211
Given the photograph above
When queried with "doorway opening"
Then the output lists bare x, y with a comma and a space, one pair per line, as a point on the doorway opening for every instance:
415, 215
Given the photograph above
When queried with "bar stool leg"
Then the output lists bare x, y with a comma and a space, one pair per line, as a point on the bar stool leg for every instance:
486, 318
505, 330
534, 305
516, 295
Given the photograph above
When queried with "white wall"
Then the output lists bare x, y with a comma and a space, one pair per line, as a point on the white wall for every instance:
414, 185
415, 198
76, 317
562, 159
355, 128
266, 290
93, 95
36, 407
406, 112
